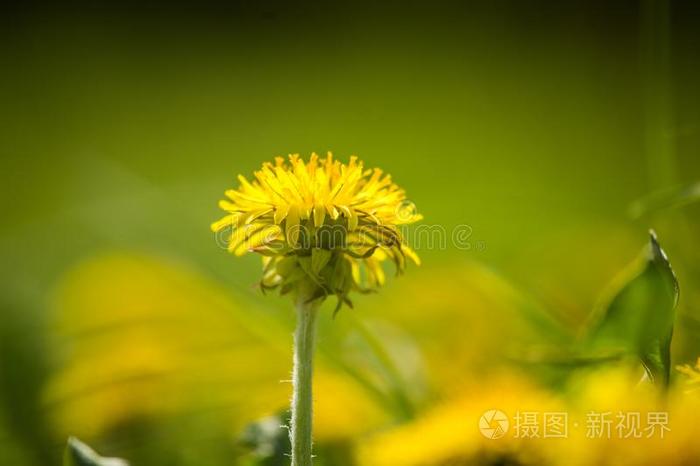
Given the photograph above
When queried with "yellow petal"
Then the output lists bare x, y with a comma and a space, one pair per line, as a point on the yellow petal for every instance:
379, 255
265, 235
319, 215
292, 227
332, 211
352, 220
238, 235
411, 254
375, 273
244, 183
229, 220
253, 216
350, 215
281, 213
355, 267
229, 206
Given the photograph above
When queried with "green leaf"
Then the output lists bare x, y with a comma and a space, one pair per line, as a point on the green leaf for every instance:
639, 317
670, 198
79, 454
657, 360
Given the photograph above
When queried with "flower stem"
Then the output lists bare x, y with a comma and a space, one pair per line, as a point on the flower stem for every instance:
300, 429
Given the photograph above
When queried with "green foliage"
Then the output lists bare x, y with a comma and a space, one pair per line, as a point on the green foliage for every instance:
24, 368
116, 138
670, 198
639, 318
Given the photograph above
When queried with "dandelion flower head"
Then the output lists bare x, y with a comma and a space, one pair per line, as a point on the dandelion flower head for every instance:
321, 222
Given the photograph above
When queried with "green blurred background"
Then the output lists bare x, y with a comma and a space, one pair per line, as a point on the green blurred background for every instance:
537, 124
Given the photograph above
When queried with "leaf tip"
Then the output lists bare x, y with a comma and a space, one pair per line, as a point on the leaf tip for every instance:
656, 251
659, 256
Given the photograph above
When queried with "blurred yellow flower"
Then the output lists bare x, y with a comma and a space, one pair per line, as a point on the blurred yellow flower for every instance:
692, 375
145, 338
342, 410
596, 416
448, 433
321, 220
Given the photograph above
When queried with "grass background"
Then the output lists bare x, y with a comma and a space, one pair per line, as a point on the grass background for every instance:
535, 124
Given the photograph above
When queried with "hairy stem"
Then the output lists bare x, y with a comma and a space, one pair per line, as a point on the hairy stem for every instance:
300, 429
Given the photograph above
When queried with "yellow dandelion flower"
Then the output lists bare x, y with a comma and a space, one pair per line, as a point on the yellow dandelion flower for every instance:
320, 221
323, 228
